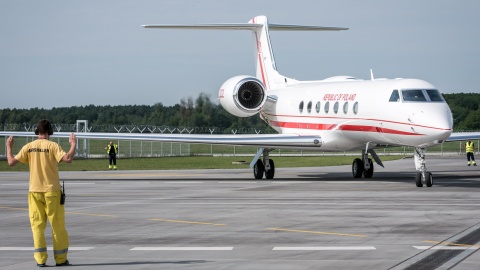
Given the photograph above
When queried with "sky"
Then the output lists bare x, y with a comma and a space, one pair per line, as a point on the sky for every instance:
57, 53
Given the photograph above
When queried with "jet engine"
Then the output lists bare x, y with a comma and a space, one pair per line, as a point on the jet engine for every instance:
242, 96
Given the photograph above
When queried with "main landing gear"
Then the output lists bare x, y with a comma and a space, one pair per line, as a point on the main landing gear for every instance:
267, 166
364, 166
422, 176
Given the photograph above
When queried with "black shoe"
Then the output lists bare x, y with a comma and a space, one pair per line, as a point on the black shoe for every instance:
66, 263
41, 264
468, 164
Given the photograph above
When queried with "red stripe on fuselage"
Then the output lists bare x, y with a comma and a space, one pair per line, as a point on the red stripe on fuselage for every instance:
356, 119
363, 128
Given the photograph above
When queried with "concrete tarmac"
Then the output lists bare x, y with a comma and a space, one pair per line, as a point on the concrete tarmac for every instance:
305, 218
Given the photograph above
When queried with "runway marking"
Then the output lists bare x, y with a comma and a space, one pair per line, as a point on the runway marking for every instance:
81, 183
182, 182
13, 208
22, 184
86, 214
450, 244
345, 182
315, 232
48, 248
292, 182
323, 248
136, 183
187, 222
446, 247
182, 248
233, 182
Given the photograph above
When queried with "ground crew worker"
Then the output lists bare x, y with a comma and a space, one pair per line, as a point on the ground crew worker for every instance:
45, 192
469, 148
112, 151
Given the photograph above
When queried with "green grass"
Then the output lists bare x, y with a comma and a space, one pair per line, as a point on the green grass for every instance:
194, 162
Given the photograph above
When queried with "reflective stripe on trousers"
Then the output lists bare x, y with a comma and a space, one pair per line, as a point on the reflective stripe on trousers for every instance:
43, 206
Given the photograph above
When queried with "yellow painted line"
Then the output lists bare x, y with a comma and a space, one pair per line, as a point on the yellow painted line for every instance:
450, 244
72, 213
187, 222
85, 214
13, 208
315, 232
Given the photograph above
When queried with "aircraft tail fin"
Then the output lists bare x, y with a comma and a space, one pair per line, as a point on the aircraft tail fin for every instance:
266, 69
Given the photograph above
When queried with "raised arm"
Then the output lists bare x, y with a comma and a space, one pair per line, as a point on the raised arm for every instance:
10, 158
68, 158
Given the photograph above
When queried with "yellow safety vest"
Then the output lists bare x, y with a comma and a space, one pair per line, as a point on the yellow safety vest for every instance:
114, 145
469, 147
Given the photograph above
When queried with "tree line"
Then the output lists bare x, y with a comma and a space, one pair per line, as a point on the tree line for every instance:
201, 112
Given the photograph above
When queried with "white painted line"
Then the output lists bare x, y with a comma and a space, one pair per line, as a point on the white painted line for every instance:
292, 182
233, 182
80, 183
446, 247
182, 182
25, 184
181, 248
48, 248
137, 183
323, 248
345, 182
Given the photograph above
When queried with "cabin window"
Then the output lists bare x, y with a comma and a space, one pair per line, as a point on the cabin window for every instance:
300, 107
355, 107
345, 107
435, 95
309, 107
335, 107
327, 106
317, 107
394, 97
413, 95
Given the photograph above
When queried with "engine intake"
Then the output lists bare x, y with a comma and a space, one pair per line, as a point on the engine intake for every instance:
242, 96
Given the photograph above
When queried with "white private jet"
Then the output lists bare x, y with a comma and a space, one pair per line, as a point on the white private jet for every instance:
340, 113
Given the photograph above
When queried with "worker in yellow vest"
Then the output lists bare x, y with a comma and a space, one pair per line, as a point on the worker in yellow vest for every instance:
469, 148
112, 151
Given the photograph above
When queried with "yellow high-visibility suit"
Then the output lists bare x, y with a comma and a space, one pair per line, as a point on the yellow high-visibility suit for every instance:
44, 195
469, 149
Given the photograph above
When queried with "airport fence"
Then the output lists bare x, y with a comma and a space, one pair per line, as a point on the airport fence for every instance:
130, 149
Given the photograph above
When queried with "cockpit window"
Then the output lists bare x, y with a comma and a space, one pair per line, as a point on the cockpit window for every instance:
413, 95
435, 95
395, 97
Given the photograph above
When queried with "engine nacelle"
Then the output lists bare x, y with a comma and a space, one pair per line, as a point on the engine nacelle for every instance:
242, 96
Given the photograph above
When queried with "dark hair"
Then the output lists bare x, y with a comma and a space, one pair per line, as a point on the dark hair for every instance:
43, 127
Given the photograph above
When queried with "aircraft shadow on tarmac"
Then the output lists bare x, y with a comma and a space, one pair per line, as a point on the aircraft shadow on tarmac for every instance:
441, 178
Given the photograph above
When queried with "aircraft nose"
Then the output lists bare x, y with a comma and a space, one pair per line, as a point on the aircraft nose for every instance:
444, 122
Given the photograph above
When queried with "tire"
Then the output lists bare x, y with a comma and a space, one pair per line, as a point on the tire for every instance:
270, 173
369, 173
357, 168
258, 169
428, 179
418, 179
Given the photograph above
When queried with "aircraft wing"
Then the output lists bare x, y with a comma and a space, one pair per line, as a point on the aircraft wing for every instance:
463, 136
256, 140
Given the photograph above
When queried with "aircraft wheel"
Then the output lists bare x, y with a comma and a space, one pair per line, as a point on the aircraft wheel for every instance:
418, 179
258, 169
369, 173
357, 168
428, 179
270, 173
